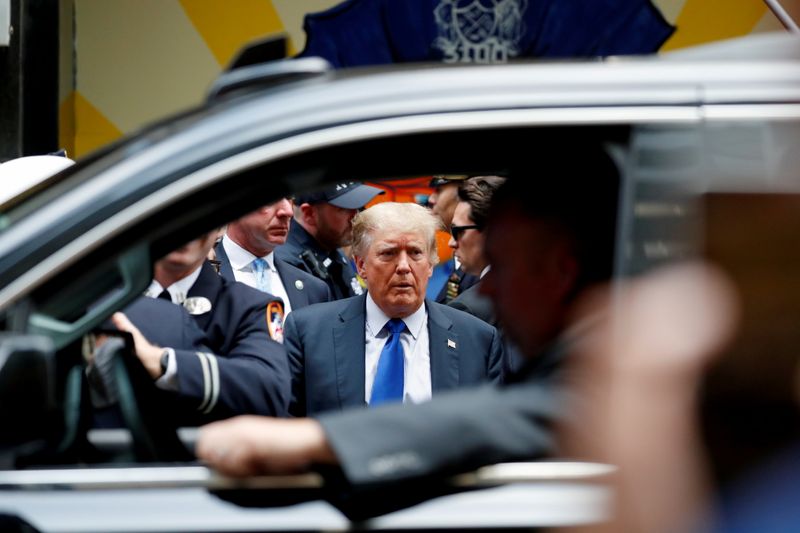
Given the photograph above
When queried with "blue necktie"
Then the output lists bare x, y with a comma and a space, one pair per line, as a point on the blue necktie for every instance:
388, 384
261, 270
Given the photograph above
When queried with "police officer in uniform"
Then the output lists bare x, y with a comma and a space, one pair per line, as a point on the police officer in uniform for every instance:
321, 226
247, 371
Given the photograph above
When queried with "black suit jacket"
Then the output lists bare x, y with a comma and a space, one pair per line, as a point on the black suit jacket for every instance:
302, 288
325, 344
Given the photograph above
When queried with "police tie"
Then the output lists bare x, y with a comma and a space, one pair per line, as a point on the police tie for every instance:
261, 270
165, 295
388, 384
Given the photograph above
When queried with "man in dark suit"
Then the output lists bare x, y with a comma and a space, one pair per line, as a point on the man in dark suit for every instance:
321, 227
245, 371
546, 251
337, 350
443, 201
468, 242
245, 254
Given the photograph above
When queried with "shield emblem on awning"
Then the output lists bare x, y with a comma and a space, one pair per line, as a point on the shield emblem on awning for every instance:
475, 22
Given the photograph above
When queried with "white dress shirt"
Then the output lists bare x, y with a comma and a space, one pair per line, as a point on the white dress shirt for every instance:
177, 290
242, 266
416, 352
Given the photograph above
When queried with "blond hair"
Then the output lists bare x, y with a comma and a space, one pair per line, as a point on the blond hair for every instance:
401, 217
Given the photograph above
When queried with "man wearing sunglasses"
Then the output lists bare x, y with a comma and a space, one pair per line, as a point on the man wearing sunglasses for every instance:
468, 239
443, 202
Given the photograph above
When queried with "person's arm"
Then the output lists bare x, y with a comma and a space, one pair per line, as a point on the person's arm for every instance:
294, 350
393, 442
251, 445
496, 357
252, 378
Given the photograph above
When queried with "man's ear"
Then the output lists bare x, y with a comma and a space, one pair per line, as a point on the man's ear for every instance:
360, 267
308, 215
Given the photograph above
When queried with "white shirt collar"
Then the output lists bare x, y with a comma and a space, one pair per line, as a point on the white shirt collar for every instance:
377, 319
177, 290
240, 258
485, 271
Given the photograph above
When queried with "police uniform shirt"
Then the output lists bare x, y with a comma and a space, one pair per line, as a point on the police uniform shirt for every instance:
178, 292
416, 352
242, 265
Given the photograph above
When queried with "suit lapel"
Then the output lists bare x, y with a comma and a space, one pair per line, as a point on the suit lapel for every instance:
225, 269
208, 286
348, 346
443, 349
297, 298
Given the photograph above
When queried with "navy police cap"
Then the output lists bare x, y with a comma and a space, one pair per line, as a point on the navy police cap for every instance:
347, 195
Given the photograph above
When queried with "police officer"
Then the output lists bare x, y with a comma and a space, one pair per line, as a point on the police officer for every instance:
248, 370
321, 226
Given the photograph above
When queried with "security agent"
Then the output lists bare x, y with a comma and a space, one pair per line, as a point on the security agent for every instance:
246, 254
443, 202
322, 225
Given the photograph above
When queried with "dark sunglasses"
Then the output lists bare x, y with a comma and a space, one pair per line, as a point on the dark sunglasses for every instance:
456, 231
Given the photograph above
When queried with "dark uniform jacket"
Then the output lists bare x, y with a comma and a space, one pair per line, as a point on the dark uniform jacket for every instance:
247, 372
302, 288
326, 348
251, 376
304, 252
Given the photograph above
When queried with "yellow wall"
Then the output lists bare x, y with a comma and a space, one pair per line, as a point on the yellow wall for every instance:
136, 61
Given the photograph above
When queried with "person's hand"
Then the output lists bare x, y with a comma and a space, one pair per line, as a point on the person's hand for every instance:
251, 445
149, 354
